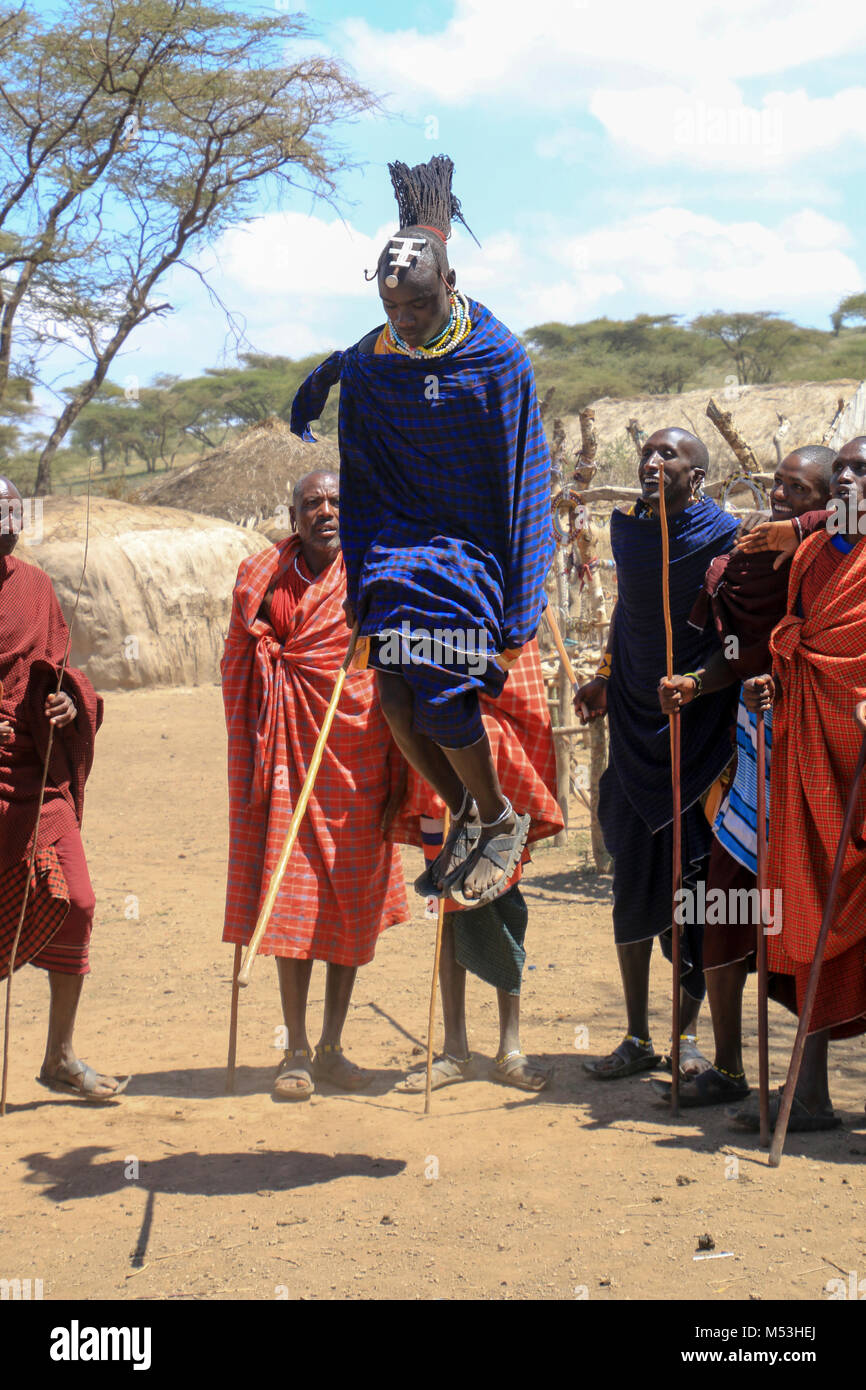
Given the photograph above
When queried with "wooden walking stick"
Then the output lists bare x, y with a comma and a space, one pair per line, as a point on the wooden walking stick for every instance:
674, 723
233, 1023
763, 1022
815, 971
32, 860
431, 1018
555, 633
243, 975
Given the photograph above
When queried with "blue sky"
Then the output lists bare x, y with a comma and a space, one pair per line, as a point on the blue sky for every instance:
612, 157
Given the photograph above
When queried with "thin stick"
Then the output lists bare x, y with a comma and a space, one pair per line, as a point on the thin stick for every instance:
555, 633
431, 1018
7, 1018
763, 1022
815, 971
243, 976
233, 1023
674, 723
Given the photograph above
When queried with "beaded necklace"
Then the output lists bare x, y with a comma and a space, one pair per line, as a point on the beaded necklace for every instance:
455, 332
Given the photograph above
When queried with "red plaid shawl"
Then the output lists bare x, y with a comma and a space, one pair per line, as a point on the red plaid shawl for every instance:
343, 885
33, 639
518, 726
821, 663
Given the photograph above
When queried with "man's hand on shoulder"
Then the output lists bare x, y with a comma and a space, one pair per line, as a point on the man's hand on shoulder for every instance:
7, 733
61, 709
780, 536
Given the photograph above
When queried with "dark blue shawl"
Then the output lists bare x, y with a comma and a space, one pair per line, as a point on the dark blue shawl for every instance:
639, 738
444, 484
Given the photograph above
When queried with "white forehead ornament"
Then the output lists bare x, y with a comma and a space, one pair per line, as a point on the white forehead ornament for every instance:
403, 250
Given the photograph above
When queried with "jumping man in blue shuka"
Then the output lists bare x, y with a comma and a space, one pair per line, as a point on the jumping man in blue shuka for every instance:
444, 521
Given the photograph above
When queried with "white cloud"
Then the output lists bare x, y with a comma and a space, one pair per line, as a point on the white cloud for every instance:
712, 127
291, 253
681, 261
550, 53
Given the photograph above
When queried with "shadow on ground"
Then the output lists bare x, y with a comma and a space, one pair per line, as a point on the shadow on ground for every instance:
77, 1174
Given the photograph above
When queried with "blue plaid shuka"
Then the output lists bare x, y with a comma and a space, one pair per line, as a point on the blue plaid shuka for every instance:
444, 505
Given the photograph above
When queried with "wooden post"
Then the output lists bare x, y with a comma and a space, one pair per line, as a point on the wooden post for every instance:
233, 1022
742, 451
587, 545
638, 435
563, 686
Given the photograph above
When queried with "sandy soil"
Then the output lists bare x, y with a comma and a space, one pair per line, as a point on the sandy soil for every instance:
179, 1191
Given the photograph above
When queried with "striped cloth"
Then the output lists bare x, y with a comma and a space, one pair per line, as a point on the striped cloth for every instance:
343, 885
820, 659
736, 825
444, 489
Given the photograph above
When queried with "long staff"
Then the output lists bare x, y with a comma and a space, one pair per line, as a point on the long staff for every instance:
763, 1022
674, 722
233, 1022
243, 975
815, 971
431, 1018
32, 860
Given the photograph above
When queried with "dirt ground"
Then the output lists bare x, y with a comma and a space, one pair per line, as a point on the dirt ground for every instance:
180, 1191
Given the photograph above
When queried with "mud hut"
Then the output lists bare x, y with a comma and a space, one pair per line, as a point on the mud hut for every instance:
156, 596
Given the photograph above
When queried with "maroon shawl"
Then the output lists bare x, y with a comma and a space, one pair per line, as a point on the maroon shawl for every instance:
33, 638
745, 597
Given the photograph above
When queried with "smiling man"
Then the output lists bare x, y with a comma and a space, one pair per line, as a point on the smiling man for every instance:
744, 596
636, 800
819, 675
445, 491
286, 642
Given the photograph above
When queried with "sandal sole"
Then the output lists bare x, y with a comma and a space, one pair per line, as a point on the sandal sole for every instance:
640, 1064
513, 859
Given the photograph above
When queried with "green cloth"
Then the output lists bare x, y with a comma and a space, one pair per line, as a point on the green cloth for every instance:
488, 940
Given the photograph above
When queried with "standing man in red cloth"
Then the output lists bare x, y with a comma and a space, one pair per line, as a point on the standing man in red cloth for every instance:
819, 675
56, 932
343, 885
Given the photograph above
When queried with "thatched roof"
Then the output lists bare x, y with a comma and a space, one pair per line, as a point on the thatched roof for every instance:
809, 405
248, 480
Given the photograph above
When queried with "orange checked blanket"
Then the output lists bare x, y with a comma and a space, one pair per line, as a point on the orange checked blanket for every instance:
343, 884
517, 723
819, 652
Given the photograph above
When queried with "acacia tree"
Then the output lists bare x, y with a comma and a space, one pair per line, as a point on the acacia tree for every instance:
853, 306
756, 343
132, 133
